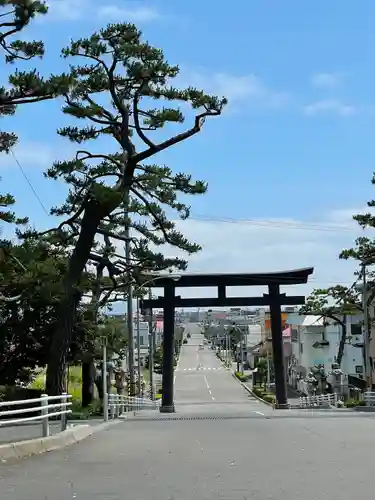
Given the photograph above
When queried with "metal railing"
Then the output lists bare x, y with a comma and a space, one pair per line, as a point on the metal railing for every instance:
320, 400
369, 398
120, 404
60, 408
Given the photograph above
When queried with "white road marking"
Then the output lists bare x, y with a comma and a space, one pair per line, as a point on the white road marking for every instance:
259, 413
200, 445
208, 387
199, 368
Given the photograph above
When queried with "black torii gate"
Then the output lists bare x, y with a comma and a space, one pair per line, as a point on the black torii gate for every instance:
274, 299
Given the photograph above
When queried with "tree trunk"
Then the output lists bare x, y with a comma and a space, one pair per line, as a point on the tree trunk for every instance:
88, 378
61, 339
342, 343
88, 368
99, 386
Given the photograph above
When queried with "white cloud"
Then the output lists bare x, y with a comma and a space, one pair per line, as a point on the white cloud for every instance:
74, 10
37, 155
136, 15
261, 246
244, 89
66, 10
329, 106
326, 80
29, 155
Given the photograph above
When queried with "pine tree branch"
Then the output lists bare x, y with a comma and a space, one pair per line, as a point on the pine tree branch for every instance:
198, 123
137, 124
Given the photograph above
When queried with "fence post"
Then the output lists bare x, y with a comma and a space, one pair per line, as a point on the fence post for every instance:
112, 405
64, 397
117, 407
44, 413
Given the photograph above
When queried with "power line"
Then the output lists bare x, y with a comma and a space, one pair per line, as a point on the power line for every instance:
275, 223
29, 183
302, 226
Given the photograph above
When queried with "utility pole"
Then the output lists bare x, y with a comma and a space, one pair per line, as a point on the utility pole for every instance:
139, 351
241, 348
268, 371
366, 331
129, 300
151, 349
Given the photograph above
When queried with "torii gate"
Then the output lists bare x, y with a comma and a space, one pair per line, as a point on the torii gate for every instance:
274, 299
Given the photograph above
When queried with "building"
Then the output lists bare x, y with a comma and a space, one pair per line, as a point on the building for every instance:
264, 318
144, 344
315, 341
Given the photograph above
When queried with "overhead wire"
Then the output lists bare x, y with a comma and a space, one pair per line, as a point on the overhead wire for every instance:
227, 220
26, 177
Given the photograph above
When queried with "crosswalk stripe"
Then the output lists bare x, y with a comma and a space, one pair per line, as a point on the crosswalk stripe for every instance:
201, 368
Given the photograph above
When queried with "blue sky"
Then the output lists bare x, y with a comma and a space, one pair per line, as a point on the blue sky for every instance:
295, 144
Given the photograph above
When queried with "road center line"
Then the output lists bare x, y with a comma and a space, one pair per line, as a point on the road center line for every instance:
208, 387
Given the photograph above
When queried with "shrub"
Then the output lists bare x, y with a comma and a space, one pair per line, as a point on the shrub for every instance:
258, 391
79, 413
16, 393
352, 403
243, 378
269, 398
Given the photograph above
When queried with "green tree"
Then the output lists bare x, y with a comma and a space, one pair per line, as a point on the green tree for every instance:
28, 320
334, 303
14, 17
117, 79
23, 87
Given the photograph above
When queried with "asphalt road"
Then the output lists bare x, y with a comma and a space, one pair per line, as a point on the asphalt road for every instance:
202, 383
210, 449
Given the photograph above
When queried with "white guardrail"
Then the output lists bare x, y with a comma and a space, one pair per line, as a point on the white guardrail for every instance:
369, 398
119, 404
60, 407
322, 400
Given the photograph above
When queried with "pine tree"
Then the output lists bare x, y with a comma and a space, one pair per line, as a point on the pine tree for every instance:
334, 303
118, 79
23, 87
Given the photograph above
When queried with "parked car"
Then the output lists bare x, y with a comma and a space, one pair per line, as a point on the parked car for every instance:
185, 341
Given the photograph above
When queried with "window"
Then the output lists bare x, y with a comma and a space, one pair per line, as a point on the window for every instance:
141, 340
301, 348
356, 329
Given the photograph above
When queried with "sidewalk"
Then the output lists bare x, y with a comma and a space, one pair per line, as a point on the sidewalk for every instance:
33, 430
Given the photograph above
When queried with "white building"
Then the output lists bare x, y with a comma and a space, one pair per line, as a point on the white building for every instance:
143, 340
315, 341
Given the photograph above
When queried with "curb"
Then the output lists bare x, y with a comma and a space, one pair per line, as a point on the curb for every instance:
251, 392
37, 446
